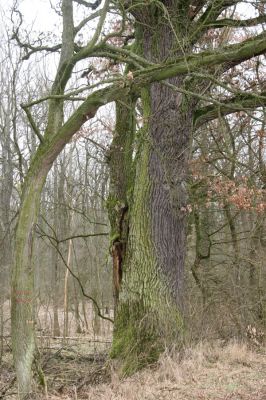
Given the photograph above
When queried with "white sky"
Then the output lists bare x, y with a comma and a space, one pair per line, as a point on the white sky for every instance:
36, 12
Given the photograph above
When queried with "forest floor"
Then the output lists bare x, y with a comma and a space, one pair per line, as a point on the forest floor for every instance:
206, 372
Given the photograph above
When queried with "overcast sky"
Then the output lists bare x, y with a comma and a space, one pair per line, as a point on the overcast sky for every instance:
36, 12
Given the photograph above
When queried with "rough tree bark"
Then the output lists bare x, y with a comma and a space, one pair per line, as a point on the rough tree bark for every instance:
151, 299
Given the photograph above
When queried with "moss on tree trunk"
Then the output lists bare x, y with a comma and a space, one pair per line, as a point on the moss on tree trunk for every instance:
22, 313
149, 315
121, 182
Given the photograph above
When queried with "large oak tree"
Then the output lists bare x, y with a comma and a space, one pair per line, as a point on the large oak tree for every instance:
171, 66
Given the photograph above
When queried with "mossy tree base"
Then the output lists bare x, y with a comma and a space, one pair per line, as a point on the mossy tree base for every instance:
140, 336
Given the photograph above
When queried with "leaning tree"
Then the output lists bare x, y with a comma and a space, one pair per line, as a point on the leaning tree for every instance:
169, 67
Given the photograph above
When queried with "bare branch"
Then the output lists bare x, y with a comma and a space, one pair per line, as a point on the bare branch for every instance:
92, 6
86, 20
30, 49
227, 56
98, 29
229, 106
211, 14
32, 123
234, 23
83, 236
55, 243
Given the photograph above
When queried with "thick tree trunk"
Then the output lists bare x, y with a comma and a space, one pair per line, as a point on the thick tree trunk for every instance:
149, 315
151, 300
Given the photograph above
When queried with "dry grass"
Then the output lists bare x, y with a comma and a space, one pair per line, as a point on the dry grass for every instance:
206, 372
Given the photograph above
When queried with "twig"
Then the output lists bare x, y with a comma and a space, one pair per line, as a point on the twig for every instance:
6, 388
32, 122
54, 242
